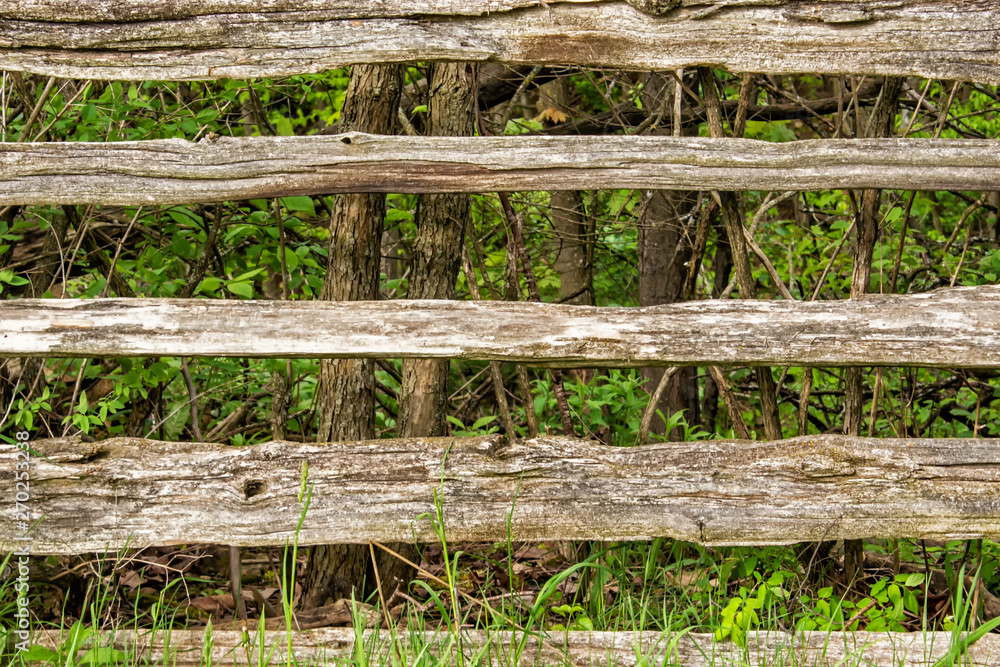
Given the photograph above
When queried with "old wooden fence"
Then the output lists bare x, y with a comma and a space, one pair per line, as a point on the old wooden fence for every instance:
136, 492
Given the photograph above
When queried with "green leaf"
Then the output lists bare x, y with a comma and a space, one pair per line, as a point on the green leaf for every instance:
284, 128
209, 284
82, 423
181, 246
89, 112
482, 422
304, 204
394, 214
241, 289
103, 655
780, 132
249, 274
37, 653
876, 625
206, 116
184, 217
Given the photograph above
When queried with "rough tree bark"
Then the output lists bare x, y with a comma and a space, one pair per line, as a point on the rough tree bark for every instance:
437, 251
882, 123
573, 259
664, 250
346, 391
437, 257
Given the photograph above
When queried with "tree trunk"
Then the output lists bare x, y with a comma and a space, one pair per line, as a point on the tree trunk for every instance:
883, 124
346, 391
573, 260
664, 248
437, 257
437, 251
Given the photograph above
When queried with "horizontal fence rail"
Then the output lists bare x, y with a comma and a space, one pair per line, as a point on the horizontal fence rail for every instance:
950, 328
132, 493
175, 171
163, 39
183, 648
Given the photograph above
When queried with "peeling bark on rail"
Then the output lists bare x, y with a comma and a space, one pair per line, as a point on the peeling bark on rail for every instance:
175, 171
135, 493
571, 649
164, 39
948, 328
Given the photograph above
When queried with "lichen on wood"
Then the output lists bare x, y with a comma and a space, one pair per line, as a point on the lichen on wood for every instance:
170, 39
130, 492
174, 171
947, 328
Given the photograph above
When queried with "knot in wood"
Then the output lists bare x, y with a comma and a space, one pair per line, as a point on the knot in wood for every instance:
655, 7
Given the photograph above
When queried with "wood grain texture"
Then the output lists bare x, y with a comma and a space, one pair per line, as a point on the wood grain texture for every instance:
948, 328
164, 39
135, 493
175, 171
570, 649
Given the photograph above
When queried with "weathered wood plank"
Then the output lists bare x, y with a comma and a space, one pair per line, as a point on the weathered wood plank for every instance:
163, 39
175, 171
134, 492
183, 648
124, 11
948, 328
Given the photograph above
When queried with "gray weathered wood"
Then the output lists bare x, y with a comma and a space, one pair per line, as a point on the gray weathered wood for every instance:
175, 171
570, 649
125, 11
163, 39
948, 328
135, 493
